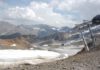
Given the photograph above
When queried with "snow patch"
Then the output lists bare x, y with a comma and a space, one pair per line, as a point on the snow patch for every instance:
13, 45
7, 55
11, 56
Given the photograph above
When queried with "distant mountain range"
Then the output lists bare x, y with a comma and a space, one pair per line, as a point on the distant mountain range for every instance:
39, 31
8, 28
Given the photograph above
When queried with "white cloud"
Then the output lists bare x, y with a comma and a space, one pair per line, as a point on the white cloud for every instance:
36, 5
44, 12
19, 12
85, 8
41, 12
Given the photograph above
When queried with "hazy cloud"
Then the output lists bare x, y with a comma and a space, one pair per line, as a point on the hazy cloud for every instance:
41, 12
55, 12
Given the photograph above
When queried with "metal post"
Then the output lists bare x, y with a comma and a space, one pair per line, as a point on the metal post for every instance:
92, 35
84, 40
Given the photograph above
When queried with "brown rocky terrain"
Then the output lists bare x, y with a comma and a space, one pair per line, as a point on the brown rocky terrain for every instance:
16, 43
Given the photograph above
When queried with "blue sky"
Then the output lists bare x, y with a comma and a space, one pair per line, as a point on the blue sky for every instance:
51, 12
18, 2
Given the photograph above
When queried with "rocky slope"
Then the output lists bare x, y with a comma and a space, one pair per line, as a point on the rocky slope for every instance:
16, 43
